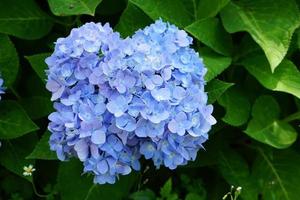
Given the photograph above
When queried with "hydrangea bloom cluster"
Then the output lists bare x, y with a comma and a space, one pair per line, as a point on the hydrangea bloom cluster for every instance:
119, 99
1, 87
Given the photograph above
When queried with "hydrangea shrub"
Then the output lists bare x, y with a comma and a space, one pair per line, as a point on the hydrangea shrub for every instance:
119, 99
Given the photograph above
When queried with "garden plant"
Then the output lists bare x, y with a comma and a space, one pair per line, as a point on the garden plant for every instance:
149, 99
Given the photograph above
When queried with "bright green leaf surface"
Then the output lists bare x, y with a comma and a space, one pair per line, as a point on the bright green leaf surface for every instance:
73, 7
285, 78
14, 121
173, 11
237, 107
266, 127
9, 61
214, 63
211, 32
216, 88
210, 8
270, 23
23, 19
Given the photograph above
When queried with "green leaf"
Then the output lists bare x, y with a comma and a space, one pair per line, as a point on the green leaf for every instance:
166, 191
167, 188
9, 61
42, 149
14, 121
37, 106
73, 7
38, 64
285, 78
174, 11
236, 172
111, 7
237, 107
210, 8
13, 152
266, 127
194, 196
214, 63
143, 195
298, 38
23, 19
131, 20
277, 174
216, 88
211, 32
70, 177
270, 23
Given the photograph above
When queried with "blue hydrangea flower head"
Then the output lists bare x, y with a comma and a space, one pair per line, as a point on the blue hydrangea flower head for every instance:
118, 99
90, 105
170, 103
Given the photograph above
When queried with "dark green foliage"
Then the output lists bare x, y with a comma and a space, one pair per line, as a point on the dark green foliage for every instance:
251, 49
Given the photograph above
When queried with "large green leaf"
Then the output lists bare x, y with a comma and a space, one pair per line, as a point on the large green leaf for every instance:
13, 152
9, 61
215, 89
73, 7
237, 106
211, 32
37, 106
111, 7
277, 174
38, 64
70, 177
214, 63
270, 23
132, 19
42, 149
14, 121
210, 8
23, 19
285, 78
266, 127
174, 11
236, 172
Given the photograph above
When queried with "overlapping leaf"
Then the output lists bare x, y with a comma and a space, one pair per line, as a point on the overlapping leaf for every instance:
73, 7
216, 88
69, 177
265, 125
23, 19
237, 106
9, 61
174, 11
42, 149
14, 121
285, 78
270, 23
211, 32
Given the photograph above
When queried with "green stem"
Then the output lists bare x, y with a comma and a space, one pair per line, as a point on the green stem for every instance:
36, 192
